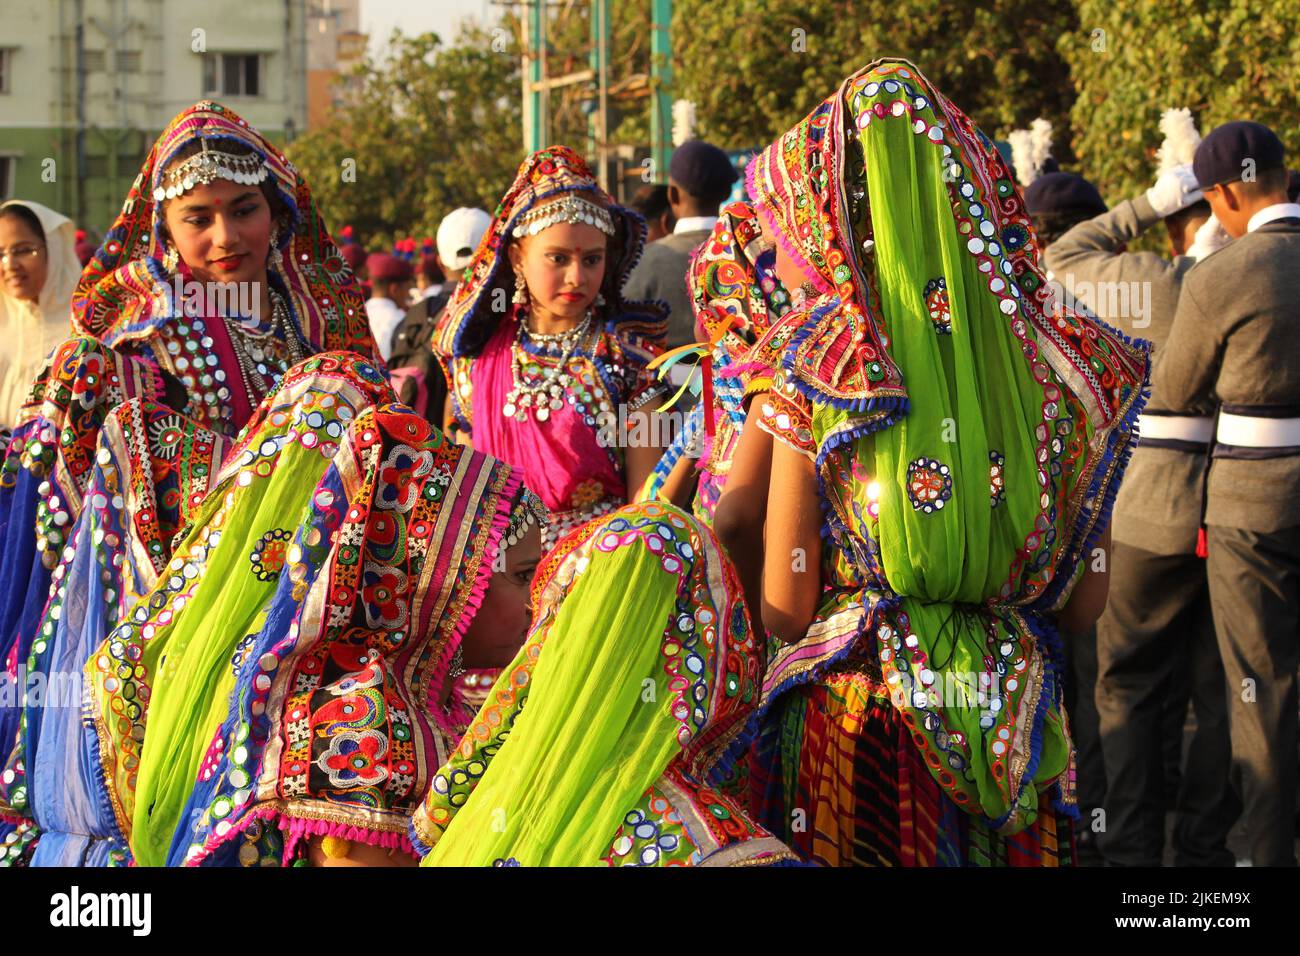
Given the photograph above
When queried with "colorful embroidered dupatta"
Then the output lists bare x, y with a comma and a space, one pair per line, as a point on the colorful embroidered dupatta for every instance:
336, 725
167, 665
343, 553
616, 758
969, 438
152, 468
737, 297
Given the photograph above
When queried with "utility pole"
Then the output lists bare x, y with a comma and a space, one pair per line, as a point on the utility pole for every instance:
661, 88
598, 123
536, 122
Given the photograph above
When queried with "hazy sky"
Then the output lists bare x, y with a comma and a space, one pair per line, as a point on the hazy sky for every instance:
379, 17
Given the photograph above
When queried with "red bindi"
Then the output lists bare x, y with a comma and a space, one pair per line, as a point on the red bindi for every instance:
217, 202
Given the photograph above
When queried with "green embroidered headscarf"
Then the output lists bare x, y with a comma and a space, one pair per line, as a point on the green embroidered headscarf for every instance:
970, 434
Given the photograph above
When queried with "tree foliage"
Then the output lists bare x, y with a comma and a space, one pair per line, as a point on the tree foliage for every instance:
431, 127
1131, 60
754, 68
434, 126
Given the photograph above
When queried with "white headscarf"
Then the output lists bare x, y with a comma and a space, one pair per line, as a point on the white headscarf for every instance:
30, 331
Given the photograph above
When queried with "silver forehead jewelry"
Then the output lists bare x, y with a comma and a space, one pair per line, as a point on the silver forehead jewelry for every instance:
528, 512
206, 166
570, 208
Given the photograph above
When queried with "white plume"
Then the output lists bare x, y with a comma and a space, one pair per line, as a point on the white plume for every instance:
683, 121
1020, 149
1040, 131
1181, 140
1030, 150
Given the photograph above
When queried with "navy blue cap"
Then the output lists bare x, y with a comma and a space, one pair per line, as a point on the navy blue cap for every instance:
1056, 193
702, 169
1221, 154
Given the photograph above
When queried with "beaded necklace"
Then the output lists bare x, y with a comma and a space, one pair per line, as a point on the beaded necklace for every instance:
262, 357
265, 354
546, 390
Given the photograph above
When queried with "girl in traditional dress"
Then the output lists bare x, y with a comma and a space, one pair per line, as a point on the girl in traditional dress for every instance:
640, 673
304, 664
947, 447
545, 359
37, 275
217, 276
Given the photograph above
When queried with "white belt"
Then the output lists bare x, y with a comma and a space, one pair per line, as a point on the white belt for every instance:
1177, 427
1249, 431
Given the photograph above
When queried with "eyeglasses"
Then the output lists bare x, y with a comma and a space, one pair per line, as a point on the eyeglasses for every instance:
19, 254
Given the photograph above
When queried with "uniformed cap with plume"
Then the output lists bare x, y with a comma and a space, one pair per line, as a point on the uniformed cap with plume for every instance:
1181, 140
1031, 151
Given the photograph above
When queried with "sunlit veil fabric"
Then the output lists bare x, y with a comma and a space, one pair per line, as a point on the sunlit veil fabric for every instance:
639, 675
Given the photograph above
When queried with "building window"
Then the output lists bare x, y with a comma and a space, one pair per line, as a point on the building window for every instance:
8, 166
232, 74
128, 61
5, 57
95, 61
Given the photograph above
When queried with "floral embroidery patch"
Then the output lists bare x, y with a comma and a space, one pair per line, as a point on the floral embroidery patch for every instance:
929, 484
936, 303
165, 436
269, 554
996, 480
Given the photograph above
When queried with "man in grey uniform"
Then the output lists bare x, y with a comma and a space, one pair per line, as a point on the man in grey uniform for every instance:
1155, 641
700, 177
1236, 341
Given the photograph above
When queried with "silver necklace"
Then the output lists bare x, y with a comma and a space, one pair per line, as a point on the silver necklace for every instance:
546, 394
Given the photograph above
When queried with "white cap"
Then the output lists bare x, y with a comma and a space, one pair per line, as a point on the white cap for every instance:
459, 234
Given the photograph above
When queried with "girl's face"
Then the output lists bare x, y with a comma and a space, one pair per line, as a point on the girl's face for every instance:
27, 263
501, 623
564, 266
222, 231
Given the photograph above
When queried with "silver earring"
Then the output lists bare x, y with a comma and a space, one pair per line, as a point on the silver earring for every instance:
457, 663
170, 258
277, 257
521, 290
600, 299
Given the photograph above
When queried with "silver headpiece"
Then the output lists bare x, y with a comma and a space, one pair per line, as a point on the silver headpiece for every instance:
570, 208
527, 512
210, 164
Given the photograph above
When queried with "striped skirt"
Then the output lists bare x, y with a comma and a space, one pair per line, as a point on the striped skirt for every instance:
834, 773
